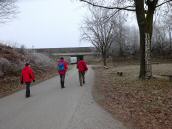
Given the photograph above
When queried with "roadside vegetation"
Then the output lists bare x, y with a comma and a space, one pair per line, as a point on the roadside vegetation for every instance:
12, 60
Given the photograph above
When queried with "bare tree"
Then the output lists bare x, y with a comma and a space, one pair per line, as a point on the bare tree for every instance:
145, 10
119, 32
159, 38
169, 26
8, 10
132, 39
99, 32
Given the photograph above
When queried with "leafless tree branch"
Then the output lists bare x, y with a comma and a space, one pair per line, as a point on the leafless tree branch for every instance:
164, 3
8, 10
127, 8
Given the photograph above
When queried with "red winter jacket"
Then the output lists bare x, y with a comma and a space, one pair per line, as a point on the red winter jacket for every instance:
82, 66
27, 75
63, 72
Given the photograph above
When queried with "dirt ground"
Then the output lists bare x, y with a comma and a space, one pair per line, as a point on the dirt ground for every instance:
138, 104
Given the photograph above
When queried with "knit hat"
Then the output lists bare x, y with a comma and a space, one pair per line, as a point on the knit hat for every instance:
27, 64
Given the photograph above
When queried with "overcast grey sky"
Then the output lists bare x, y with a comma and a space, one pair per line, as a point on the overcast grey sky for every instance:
46, 24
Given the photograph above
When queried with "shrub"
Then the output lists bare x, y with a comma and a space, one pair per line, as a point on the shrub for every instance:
41, 60
4, 66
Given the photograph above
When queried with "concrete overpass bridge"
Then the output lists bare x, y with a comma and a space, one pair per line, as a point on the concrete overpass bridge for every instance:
87, 52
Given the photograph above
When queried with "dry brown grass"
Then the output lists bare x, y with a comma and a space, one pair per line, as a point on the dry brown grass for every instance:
138, 104
12, 84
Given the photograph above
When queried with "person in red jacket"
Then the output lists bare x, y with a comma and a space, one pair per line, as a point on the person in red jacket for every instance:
62, 67
27, 77
82, 68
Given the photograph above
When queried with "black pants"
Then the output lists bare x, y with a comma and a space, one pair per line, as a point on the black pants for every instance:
62, 79
27, 89
81, 78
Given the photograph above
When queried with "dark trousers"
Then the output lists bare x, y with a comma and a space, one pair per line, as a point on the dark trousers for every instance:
62, 79
81, 78
27, 89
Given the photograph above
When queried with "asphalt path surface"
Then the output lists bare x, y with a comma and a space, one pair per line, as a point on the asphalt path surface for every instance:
51, 107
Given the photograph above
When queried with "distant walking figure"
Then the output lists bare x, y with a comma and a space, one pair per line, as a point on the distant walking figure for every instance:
82, 68
27, 76
62, 67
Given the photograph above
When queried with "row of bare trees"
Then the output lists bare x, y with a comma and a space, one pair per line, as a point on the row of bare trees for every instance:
109, 35
145, 11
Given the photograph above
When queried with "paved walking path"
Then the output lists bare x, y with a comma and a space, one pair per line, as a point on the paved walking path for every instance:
51, 107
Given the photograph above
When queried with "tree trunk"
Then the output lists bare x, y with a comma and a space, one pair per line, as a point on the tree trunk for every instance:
140, 14
142, 53
148, 37
170, 40
104, 57
148, 63
145, 52
145, 23
104, 60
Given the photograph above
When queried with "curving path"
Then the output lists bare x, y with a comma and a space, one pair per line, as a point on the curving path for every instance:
51, 107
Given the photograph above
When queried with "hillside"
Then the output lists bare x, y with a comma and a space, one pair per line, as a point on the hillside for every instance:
12, 61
